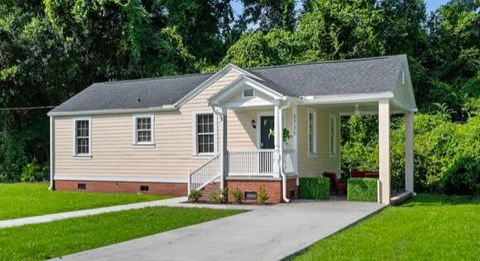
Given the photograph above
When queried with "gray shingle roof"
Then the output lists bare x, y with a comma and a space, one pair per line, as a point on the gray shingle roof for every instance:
354, 76
132, 94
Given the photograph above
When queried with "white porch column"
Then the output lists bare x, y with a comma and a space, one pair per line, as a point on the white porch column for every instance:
409, 143
224, 151
384, 149
277, 140
295, 140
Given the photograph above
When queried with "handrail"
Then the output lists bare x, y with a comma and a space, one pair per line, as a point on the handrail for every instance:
205, 174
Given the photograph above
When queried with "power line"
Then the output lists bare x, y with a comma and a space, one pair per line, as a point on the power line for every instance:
27, 108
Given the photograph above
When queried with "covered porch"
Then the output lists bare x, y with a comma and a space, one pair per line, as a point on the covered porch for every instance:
265, 136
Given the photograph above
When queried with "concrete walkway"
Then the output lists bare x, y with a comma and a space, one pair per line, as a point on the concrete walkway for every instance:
173, 202
266, 233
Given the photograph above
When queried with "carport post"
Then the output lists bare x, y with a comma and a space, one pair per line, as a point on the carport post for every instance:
409, 143
384, 149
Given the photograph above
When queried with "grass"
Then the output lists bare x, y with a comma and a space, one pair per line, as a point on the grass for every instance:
48, 240
430, 227
32, 199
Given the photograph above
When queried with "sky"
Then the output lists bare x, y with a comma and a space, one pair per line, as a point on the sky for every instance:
432, 5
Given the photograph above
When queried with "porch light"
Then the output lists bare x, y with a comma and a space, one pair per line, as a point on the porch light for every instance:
254, 125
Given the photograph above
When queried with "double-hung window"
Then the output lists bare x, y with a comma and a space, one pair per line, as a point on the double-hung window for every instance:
312, 132
144, 129
333, 135
205, 133
82, 140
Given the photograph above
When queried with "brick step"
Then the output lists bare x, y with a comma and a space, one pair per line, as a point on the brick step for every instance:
211, 187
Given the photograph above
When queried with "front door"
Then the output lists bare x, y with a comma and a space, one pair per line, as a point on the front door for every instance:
266, 140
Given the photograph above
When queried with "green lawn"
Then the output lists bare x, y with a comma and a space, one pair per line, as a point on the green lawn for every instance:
32, 199
429, 227
43, 241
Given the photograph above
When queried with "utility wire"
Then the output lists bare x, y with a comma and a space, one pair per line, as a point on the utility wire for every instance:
27, 108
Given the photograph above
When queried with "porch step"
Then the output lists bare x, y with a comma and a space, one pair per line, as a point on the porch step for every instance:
209, 188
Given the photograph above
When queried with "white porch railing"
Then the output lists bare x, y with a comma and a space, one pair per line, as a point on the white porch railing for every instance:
250, 163
205, 174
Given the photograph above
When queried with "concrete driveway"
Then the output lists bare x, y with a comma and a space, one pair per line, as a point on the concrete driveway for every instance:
267, 233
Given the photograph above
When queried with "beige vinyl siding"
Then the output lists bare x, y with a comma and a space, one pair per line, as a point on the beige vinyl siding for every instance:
315, 166
240, 133
115, 156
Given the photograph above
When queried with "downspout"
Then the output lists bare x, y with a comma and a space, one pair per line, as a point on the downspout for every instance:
284, 177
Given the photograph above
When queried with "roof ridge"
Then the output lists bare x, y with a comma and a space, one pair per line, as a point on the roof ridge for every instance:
155, 78
330, 61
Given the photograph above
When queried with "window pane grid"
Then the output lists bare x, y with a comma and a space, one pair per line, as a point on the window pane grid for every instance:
82, 137
143, 129
205, 133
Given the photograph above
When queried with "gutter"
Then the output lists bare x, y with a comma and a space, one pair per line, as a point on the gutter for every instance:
284, 177
114, 111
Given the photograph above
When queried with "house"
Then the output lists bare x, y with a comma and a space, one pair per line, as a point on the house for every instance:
241, 128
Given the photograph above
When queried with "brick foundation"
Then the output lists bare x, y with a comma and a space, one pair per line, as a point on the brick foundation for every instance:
273, 188
169, 189
292, 188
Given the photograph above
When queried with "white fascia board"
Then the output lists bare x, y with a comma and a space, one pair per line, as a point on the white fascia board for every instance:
346, 98
403, 106
263, 88
233, 86
211, 80
114, 111
410, 85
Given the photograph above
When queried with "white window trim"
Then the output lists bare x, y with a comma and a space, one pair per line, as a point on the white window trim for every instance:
74, 138
247, 97
315, 151
152, 130
195, 134
332, 149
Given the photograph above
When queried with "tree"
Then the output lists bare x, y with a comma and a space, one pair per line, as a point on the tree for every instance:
269, 14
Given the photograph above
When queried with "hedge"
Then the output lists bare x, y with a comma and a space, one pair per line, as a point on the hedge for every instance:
362, 189
314, 188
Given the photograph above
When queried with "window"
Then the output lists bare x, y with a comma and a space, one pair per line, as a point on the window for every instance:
82, 137
205, 133
81, 186
248, 93
144, 188
144, 125
312, 132
333, 135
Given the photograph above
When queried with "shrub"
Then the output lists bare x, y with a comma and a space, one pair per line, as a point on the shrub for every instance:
194, 195
314, 188
362, 189
225, 195
34, 172
262, 195
216, 196
463, 177
237, 195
